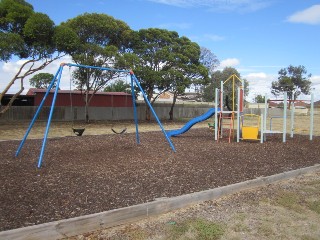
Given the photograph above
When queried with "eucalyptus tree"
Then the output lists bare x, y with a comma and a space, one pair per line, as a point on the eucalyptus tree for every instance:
42, 80
100, 38
259, 98
118, 86
294, 80
211, 62
215, 82
186, 69
208, 59
163, 61
148, 57
29, 36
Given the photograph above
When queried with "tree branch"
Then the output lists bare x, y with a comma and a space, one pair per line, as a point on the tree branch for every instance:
18, 75
158, 95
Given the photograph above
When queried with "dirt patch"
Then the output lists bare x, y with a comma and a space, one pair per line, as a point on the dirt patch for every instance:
89, 174
286, 210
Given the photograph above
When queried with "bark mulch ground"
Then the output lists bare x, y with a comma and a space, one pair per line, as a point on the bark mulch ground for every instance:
90, 174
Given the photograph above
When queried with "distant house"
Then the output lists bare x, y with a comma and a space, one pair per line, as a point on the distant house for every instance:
317, 104
190, 97
76, 98
300, 104
168, 97
273, 104
262, 105
164, 97
255, 105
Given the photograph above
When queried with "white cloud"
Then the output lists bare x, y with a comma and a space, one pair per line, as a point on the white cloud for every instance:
310, 15
206, 38
260, 75
315, 89
267, 66
240, 6
315, 86
12, 67
214, 37
229, 62
315, 80
219, 5
259, 84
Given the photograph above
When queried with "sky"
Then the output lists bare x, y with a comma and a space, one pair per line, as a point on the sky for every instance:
257, 37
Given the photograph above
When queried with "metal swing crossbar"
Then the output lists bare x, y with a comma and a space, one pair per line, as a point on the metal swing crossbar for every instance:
56, 79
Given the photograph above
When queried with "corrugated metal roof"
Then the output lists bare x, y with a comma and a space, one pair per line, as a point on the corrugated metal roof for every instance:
33, 91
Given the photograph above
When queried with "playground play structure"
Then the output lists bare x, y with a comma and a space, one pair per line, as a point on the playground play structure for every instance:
219, 112
244, 131
56, 79
249, 126
284, 117
228, 114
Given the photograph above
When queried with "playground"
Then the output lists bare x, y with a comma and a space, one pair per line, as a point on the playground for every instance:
95, 173
72, 176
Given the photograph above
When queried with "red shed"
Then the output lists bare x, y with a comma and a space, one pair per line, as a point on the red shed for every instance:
100, 99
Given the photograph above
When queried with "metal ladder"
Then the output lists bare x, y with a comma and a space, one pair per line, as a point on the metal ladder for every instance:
220, 127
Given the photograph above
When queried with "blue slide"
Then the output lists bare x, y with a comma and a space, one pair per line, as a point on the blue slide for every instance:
192, 122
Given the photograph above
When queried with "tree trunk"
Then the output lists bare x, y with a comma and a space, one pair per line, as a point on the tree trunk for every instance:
175, 94
87, 115
148, 110
6, 108
148, 113
16, 77
87, 107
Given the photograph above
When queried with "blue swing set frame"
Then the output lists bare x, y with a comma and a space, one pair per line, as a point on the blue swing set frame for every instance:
57, 79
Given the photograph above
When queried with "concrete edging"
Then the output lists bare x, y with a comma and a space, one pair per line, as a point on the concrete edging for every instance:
88, 223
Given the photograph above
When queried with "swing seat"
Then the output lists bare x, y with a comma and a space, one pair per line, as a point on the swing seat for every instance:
123, 131
78, 131
211, 126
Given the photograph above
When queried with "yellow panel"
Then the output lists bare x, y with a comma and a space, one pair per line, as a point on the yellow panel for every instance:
250, 133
